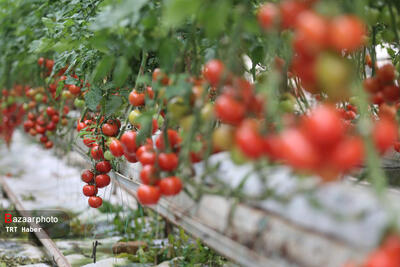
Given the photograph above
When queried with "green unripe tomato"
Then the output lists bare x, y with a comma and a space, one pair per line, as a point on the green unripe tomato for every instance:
49, 133
177, 108
3, 105
39, 98
108, 156
372, 15
79, 103
207, 112
237, 156
133, 117
286, 105
25, 106
187, 123
10, 100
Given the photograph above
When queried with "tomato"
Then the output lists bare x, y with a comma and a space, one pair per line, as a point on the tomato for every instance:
385, 134
386, 74
49, 64
102, 180
48, 145
173, 138
97, 152
150, 92
103, 166
50, 111
346, 32
158, 75
87, 176
147, 175
391, 93
378, 98
323, 127
397, 147
128, 141
44, 139
147, 157
170, 186
40, 129
267, 15
168, 161
133, 117
55, 118
248, 139
95, 202
313, 30
143, 149
148, 195
297, 150
348, 154
80, 126
40, 61
136, 99
304, 68
109, 129
229, 110
154, 126
371, 85
73, 89
130, 157
51, 126
213, 72
381, 258
116, 148
290, 10
392, 246
89, 142
89, 190
222, 138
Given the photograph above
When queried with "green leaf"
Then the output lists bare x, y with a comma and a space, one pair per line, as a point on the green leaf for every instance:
182, 87
93, 98
145, 120
169, 49
215, 17
113, 104
121, 72
177, 11
103, 68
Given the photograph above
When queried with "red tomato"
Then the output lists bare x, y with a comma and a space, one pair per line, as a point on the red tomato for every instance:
386, 74
148, 195
349, 153
213, 72
109, 129
80, 126
297, 150
142, 149
103, 166
89, 190
391, 93
229, 110
49, 64
97, 152
290, 10
150, 92
147, 175
89, 142
397, 147
66, 110
173, 138
168, 161
147, 157
40, 129
249, 140
346, 32
48, 145
73, 89
158, 75
95, 202
50, 111
40, 61
267, 15
385, 134
128, 141
170, 186
43, 139
323, 127
130, 157
136, 99
313, 28
55, 118
116, 148
381, 258
371, 85
102, 180
87, 176
154, 126
51, 126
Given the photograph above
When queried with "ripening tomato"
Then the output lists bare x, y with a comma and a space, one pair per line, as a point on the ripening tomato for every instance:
346, 32
147, 175
267, 15
128, 141
297, 150
73, 89
97, 152
158, 75
348, 154
116, 148
229, 110
168, 161
103, 166
109, 129
170, 186
89, 190
136, 99
371, 85
48, 145
214, 71
313, 30
290, 10
102, 180
95, 202
385, 134
323, 127
87, 176
148, 195
386, 74
147, 158
249, 140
